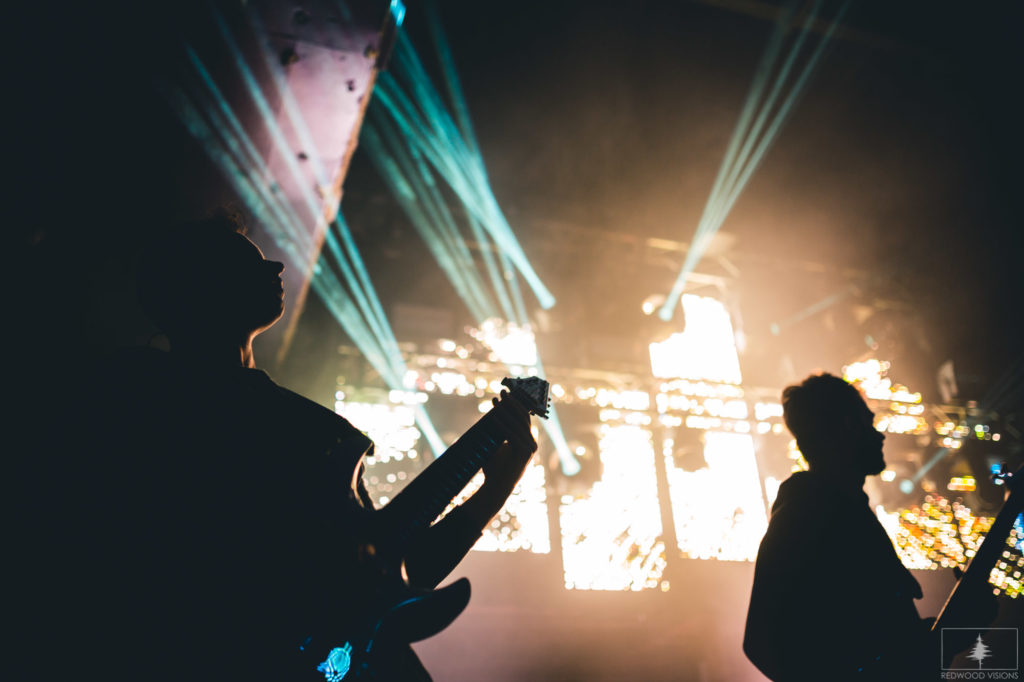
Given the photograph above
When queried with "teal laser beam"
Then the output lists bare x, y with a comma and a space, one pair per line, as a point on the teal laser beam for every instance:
454, 86
349, 261
233, 133
810, 310
406, 188
784, 111
453, 238
553, 426
737, 168
740, 133
346, 254
701, 236
230, 130
452, 159
412, 128
491, 265
717, 214
250, 193
375, 341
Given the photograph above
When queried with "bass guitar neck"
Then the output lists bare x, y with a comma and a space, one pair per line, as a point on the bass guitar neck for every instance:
427, 496
991, 549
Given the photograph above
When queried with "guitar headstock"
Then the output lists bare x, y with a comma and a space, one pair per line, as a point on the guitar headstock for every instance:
532, 392
1014, 482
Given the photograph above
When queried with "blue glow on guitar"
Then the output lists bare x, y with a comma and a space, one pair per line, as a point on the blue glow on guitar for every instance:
337, 664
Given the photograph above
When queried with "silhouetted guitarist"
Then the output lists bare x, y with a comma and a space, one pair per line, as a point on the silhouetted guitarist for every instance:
215, 513
831, 599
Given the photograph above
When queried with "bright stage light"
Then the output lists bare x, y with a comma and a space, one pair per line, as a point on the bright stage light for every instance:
397, 9
871, 377
901, 423
611, 539
740, 163
651, 303
901, 410
962, 483
392, 428
395, 460
911, 558
706, 349
514, 345
522, 523
771, 489
942, 533
763, 411
718, 510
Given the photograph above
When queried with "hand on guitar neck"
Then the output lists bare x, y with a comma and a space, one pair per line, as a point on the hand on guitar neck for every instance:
507, 465
400, 554
502, 472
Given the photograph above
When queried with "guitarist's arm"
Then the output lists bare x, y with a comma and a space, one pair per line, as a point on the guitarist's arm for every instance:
444, 544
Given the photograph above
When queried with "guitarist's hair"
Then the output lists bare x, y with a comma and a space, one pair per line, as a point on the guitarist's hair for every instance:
174, 262
815, 409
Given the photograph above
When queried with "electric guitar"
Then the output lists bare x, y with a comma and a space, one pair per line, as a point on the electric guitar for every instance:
958, 605
390, 612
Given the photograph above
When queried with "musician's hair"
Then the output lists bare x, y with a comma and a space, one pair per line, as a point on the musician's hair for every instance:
816, 410
173, 267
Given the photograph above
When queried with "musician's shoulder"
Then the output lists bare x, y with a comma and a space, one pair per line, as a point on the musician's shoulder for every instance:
802, 508
315, 418
306, 406
801, 490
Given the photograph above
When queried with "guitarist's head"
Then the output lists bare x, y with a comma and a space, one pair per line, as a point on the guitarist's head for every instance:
833, 427
204, 284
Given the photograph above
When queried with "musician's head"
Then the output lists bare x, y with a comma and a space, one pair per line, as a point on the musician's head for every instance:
833, 426
205, 279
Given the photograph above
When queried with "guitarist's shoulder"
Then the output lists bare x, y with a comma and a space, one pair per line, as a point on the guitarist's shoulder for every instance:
804, 507
326, 426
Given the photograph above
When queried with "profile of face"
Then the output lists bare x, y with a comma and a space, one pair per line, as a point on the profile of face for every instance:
242, 292
834, 426
865, 442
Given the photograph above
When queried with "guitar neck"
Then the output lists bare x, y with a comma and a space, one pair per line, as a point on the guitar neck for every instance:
426, 496
988, 554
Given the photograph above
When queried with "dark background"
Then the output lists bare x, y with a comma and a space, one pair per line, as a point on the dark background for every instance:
897, 172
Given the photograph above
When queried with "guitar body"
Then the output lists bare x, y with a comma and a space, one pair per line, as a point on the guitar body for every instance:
374, 642
916, 660
369, 638
960, 609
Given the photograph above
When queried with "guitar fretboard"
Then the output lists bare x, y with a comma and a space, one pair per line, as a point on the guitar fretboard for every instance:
429, 493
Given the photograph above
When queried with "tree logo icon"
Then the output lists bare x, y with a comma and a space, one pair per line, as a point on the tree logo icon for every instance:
992, 651
980, 652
